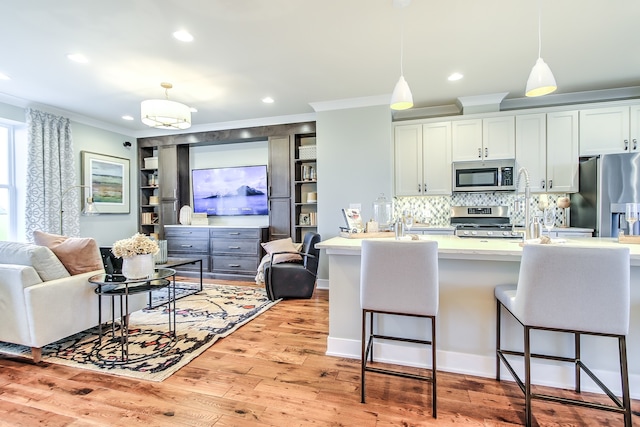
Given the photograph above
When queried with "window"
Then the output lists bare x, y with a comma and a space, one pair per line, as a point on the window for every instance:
7, 184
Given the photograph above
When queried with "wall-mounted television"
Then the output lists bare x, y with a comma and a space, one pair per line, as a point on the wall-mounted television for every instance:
240, 190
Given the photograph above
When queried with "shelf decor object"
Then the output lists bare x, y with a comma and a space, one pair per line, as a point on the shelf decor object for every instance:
165, 114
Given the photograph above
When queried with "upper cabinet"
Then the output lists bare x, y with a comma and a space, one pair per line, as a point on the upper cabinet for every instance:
422, 162
547, 146
279, 166
609, 130
562, 152
531, 148
173, 179
483, 139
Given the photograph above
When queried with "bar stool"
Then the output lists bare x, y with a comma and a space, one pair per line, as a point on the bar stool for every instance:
576, 290
398, 278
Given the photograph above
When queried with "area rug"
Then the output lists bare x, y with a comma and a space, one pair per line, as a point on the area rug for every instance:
201, 319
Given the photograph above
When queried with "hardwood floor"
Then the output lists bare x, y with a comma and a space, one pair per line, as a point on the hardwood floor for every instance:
270, 372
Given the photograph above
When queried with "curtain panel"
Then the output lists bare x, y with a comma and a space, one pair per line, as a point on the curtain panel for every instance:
52, 193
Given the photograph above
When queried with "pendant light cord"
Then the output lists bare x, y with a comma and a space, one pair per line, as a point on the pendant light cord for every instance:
401, 41
539, 30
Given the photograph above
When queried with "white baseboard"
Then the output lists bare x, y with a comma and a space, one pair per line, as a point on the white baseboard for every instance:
322, 284
543, 373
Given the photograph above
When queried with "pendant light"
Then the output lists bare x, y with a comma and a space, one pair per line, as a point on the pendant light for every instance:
401, 99
165, 114
541, 80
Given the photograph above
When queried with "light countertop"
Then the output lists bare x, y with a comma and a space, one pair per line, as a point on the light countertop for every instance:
454, 247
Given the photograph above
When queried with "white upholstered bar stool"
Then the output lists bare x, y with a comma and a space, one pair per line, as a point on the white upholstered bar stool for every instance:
398, 278
576, 290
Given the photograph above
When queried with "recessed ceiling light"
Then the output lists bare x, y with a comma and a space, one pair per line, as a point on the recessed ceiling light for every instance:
127, 117
267, 100
78, 57
455, 76
183, 36
4, 77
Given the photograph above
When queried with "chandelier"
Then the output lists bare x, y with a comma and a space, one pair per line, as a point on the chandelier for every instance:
165, 114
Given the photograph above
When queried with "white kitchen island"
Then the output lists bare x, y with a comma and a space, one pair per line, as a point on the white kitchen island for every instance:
470, 268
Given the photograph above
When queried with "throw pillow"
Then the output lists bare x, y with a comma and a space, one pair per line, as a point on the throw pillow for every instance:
78, 254
42, 259
282, 245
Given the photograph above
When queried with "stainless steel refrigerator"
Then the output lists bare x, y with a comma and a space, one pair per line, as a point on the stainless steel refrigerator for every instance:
607, 183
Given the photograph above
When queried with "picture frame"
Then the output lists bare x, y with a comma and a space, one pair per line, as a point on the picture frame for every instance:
305, 219
106, 179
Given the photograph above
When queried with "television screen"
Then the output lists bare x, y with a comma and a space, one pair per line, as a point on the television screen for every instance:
238, 190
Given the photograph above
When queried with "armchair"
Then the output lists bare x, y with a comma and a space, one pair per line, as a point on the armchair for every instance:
294, 279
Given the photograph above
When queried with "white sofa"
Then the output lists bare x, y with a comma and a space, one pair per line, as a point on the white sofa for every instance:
40, 302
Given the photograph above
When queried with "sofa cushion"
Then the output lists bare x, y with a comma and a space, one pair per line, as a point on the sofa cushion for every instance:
78, 254
283, 245
41, 258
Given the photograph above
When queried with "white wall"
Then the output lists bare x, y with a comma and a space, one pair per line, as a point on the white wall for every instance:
107, 228
225, 155
355, 165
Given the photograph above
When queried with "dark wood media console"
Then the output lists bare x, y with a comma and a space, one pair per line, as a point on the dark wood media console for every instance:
231, 253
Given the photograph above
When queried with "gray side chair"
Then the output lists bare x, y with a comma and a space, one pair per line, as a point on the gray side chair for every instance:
576, 290
398, 278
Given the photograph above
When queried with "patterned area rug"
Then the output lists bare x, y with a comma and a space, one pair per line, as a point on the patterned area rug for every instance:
201, 320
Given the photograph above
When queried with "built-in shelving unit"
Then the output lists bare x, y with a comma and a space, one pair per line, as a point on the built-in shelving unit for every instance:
149, 196
305, 190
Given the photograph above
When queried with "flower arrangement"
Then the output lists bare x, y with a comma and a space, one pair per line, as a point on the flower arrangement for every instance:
138, 244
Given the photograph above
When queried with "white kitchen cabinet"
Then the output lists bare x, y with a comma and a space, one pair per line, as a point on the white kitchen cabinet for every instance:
562, 152
531, 149
408, 160
609, 130
483, 139
466, 140
547, 146
634, 128
436, 158
422, 164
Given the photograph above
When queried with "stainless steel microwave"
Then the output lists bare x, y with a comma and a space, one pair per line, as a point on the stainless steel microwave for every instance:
488, 175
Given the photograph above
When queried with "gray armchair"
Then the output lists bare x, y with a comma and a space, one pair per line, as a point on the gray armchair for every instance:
294, 279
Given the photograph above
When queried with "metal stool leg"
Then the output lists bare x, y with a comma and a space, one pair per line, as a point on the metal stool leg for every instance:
499, 306
363, 359
577, 358
626, 399
433, 367
527, 376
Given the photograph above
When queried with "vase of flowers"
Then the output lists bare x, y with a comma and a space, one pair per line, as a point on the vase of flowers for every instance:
137, 255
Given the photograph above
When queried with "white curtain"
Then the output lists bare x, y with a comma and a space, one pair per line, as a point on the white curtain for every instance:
53, 196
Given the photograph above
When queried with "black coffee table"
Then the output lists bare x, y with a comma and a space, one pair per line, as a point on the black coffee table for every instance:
117, 285
173, 262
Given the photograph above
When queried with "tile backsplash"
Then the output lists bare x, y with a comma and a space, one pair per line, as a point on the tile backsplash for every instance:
435, 210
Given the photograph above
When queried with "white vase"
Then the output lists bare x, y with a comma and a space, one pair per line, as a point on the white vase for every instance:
138, 266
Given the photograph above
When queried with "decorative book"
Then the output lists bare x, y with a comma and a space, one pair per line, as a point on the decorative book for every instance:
353, 220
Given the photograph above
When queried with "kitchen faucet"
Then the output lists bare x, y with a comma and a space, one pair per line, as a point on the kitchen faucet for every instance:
527, 195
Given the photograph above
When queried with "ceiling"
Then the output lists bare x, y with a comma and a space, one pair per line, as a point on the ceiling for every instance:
301, 52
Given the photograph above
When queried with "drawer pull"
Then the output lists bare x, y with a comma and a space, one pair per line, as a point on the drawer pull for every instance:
234, 247
234, 265
187, 246
234, 234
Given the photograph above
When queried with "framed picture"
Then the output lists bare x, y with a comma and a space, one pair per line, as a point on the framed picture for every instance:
305, 219
106, 179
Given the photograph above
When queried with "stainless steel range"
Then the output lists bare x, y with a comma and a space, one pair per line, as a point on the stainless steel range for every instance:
483, 221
